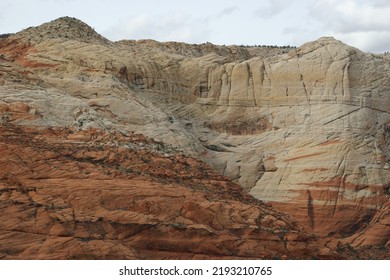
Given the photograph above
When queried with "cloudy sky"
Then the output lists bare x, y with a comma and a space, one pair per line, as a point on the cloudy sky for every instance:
364, 24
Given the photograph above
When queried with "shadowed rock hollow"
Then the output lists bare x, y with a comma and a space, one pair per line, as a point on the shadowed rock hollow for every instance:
305, 129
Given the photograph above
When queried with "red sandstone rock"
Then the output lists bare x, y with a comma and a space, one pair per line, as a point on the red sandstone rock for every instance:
62, 198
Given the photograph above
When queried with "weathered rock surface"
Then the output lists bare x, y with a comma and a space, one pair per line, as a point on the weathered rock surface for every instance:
68, 194
305, 129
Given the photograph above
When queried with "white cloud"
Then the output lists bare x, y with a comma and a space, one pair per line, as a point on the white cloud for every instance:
273, 8
375, 41
380, 3
227, 11
166, 27
364, 24
350, 16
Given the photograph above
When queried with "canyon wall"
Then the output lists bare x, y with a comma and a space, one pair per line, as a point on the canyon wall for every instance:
305, 129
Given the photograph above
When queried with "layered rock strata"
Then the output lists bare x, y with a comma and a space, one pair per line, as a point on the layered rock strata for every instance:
305, 129
67, 194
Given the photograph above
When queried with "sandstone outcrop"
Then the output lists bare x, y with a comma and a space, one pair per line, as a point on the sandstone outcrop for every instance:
306, 129
69, 194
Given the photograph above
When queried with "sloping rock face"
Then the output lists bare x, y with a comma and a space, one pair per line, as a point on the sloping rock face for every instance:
305, 129
68, 194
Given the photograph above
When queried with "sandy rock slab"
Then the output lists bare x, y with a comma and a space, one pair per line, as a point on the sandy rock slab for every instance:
62, 198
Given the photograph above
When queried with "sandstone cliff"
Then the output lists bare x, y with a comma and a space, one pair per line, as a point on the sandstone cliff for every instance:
305, 129
89, 194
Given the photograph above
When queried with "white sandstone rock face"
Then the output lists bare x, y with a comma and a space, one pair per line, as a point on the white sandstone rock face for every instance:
306, 129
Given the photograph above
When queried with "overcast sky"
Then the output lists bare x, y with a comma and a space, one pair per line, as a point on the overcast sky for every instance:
364, 24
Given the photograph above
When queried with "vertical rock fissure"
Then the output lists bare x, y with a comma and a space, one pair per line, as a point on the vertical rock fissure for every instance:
346, 84
310, 209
